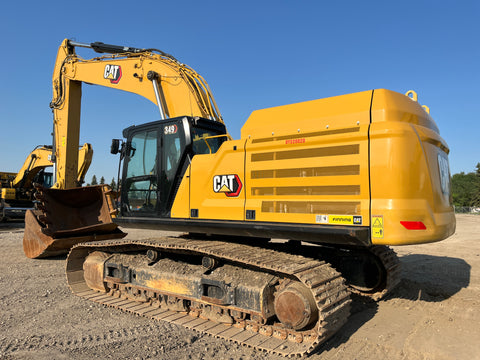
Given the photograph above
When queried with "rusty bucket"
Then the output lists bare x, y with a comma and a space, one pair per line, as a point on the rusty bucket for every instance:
64, 218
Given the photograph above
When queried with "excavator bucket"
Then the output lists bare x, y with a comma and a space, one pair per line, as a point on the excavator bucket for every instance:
64, 218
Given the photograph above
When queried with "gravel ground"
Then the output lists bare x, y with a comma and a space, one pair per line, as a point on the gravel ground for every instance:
433, 314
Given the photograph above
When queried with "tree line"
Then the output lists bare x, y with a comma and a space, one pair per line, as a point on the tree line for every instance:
113, 183
466, 189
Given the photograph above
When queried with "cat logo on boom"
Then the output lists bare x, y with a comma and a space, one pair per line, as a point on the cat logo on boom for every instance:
228, 184
113, 73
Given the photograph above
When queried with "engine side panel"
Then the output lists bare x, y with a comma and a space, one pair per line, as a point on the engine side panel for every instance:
308, 162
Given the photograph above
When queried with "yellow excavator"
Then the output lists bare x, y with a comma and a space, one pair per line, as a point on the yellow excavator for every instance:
17, 189
281, 226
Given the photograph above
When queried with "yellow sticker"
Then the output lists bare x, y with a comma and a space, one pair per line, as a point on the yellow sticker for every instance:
377, 226
344, 220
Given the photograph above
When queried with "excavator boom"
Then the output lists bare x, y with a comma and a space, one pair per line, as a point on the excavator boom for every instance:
41, 157
174, 87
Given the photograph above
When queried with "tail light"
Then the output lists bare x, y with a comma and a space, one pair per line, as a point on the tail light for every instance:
413, 225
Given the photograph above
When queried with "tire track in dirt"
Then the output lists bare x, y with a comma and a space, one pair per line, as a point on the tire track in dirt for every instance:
64, 342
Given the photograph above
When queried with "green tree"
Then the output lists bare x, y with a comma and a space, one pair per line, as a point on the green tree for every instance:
476, 191
94, 180
102, 180
113, 184
464, 187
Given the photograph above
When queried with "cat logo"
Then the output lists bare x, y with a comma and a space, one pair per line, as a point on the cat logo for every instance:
228, 184
113, 73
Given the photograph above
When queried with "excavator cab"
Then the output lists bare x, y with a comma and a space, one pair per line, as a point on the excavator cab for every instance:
156, 156
44, 178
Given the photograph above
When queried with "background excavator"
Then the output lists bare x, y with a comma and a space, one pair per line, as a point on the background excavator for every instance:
17, 189
333, 181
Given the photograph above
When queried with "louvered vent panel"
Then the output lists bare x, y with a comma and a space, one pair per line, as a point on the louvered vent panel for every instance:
310, 188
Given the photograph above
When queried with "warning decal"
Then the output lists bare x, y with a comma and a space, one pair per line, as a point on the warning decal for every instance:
377, 226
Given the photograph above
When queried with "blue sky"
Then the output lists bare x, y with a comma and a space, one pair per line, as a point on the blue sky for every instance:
253, 54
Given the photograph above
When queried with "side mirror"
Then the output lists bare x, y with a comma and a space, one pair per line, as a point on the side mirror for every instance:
115, 147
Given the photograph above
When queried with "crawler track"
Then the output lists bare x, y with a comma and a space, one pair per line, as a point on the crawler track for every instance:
387, 265
328, 288
387, 269
391, 264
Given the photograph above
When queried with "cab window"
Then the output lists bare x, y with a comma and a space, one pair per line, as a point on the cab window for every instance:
141, 180
205, 141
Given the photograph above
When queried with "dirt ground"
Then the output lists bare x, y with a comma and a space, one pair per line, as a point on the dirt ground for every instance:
433, 314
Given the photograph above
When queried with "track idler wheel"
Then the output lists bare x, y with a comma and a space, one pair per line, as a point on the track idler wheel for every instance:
93, 270
295, 306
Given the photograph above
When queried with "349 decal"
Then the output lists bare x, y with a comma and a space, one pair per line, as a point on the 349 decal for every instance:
170, 129
228, 184
112, 73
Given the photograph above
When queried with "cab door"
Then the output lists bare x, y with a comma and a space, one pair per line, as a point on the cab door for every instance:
140, 190
174, 161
